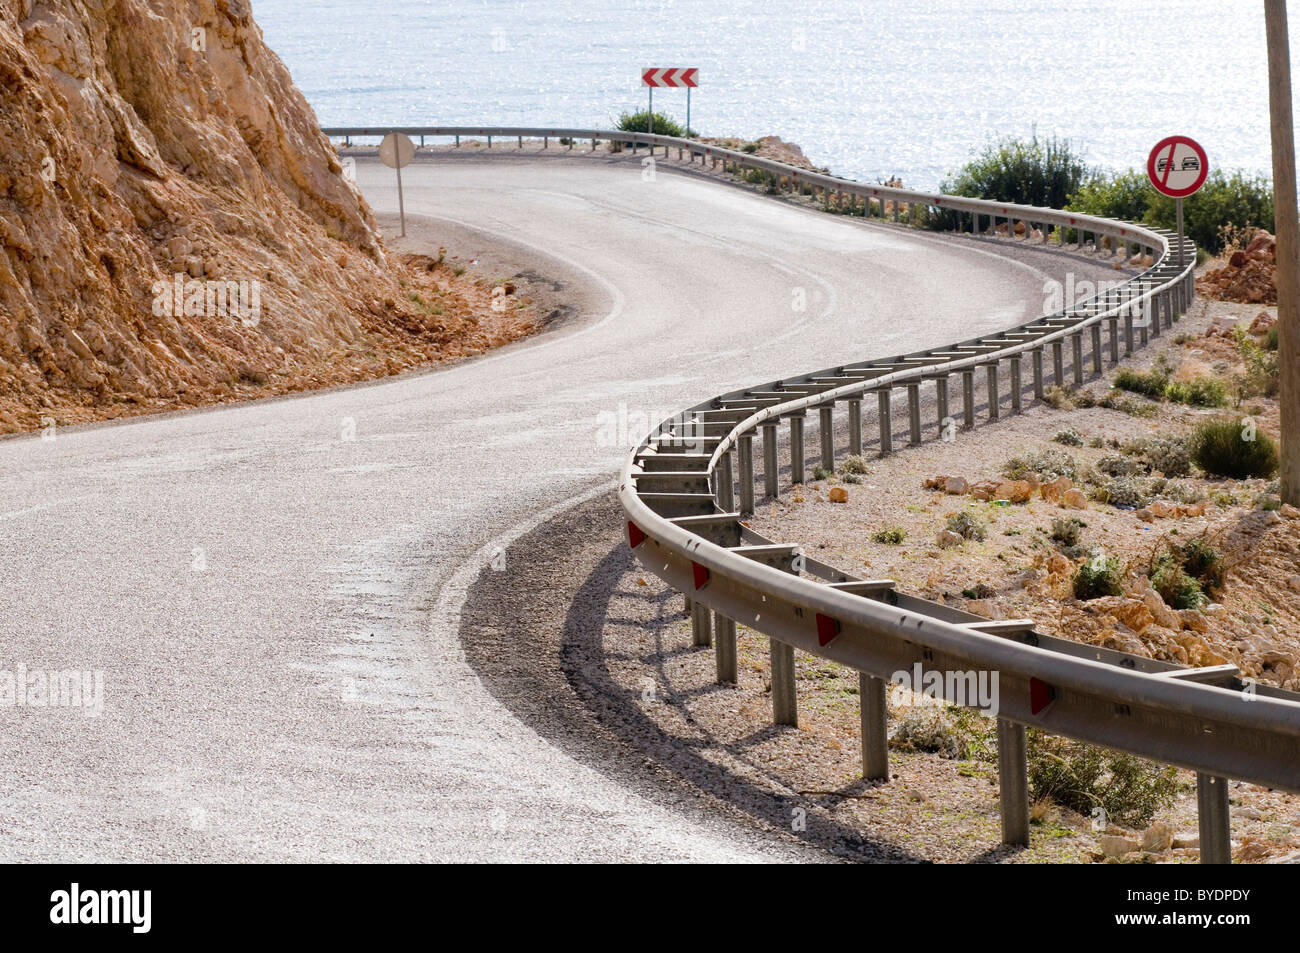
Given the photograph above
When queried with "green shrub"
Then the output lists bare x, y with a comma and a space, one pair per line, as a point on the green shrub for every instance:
1178, 589
851, 478
749, 147
1263, 372
1227, 198
821, 473
1099, 576
890, 535
1202, 562
1069, 438
1149, 384
968, 526
1083, 777
664, 125
1030, 171
1270, 339
1227, 447
1198, 392
1122, 195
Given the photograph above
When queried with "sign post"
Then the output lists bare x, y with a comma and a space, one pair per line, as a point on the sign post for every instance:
1177, 167
396, 151
677, 76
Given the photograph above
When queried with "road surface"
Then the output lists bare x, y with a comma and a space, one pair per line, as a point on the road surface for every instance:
274, 608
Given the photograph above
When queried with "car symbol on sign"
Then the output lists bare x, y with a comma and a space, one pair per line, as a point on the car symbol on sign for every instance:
1191, 162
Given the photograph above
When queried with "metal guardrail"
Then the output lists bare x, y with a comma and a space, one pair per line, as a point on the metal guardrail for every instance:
685, 501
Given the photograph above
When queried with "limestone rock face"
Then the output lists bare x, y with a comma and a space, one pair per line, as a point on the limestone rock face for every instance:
142, 140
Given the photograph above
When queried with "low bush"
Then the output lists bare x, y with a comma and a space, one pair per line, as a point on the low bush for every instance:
1149, 383
1179, 590
1083, 777
1099, 576
1227, 447
968, 526
853, 464
1069, 438
664, 125
1045, 465
889, 535
1198, 392
1066, 530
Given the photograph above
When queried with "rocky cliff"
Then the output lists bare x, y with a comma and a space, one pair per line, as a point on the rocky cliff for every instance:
174, 227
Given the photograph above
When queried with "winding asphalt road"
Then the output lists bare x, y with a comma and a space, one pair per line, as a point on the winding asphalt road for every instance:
275, 608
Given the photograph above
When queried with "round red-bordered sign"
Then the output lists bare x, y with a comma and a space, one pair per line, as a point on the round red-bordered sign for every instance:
1177, 166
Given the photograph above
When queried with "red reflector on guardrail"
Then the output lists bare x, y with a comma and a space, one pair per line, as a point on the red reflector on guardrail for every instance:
635, 537
701, 575
1040, 695
827, 629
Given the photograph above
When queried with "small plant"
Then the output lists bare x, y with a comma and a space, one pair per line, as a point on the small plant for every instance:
1117, 466
1172, 456
1198, 392
1083, 777
1203, 563
640, 122
1179, 590
889, 535
1096, 443
1066, 530
1150, 384
1263, 372
1059, 398
981, 590
854, 464
1126, 492
749, 147
1069, 438
957, 733
1045, 465
821, 473
1100, 576
851, 478
967, 526
1231, 448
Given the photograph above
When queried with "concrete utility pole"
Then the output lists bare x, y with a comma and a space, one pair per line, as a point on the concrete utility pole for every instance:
1288, 243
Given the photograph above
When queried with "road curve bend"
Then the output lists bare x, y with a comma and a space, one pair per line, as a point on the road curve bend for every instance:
274, 608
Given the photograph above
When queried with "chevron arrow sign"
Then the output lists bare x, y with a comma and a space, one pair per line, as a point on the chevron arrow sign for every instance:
670, 76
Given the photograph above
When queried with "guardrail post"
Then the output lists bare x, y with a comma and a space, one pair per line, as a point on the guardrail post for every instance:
458, 142
489, 142
914, 413
1076, 353
895, 210
1147, 313
770, 469
1013, 783
968, 396
726, 486
1058, 362
941, 398
796, 448
855, 426
1015, 383
883, 397
1096, 347
745, 459
521, 142
1112, 324
826, 431
701, 625
1167, 306
1213, 819
785, 706
875, 732
546, 144
991, 369
725, 652
1036, 359
1128, 334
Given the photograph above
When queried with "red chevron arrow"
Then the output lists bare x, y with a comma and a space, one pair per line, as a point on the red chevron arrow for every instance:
689, 77
670, 76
